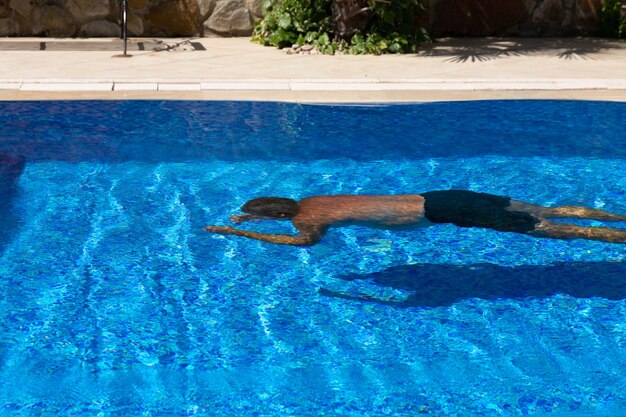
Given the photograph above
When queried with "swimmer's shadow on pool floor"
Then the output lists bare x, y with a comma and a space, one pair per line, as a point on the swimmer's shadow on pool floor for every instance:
10, 171
436, 285
8, 219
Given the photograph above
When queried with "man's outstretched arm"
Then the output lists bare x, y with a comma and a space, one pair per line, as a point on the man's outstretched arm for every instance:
306, 239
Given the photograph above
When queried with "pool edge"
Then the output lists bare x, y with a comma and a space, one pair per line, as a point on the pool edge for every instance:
326, 96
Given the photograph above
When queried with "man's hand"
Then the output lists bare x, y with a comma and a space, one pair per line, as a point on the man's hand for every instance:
220, 230
306, 240
240, 218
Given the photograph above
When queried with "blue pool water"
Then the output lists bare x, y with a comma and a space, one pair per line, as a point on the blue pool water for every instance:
115, 302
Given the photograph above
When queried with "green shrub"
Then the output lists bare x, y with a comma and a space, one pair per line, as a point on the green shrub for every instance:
390, 27
612, 23
292, 21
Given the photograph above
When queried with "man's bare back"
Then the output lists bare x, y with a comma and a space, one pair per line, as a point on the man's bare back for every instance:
313, 216
377, 209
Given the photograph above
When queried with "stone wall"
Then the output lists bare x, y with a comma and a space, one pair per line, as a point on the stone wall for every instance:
163, 18
92, 18
512, 17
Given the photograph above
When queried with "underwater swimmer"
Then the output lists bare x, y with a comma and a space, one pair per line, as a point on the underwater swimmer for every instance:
312, 216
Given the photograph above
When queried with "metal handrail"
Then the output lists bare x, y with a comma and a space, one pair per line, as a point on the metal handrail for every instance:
124, 24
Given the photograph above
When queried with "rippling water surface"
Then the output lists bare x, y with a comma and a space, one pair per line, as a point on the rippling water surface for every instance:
114, 302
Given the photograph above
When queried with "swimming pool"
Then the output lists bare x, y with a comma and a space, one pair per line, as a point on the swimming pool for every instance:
115, 302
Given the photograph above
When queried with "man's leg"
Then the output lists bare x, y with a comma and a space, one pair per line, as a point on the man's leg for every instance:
565, 212
556, 230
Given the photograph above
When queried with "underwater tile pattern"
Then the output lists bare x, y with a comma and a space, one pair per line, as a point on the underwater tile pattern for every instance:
115, 302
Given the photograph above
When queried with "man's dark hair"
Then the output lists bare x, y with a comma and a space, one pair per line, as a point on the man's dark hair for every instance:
274, 207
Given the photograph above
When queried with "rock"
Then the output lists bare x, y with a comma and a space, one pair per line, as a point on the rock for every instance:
23, 8
587, 15
206, 8
477, 17
550, 12
87, 10
8, 27
40, 3
548, 18
137, 4
300, 50
422, 18
176, 17
24, 25
567, 22
255, 7
230, 18
4, 10
100, 28
236, 17
135, 25
530, 6
53, 21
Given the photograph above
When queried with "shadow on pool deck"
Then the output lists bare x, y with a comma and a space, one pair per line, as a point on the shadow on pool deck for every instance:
114, 45
468, 50
435, 285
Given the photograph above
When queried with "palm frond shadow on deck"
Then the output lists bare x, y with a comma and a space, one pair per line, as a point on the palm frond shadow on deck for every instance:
486, 49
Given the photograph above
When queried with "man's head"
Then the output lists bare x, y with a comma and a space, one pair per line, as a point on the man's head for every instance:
276, 208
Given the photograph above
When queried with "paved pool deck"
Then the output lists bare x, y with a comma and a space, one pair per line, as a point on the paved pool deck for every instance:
237, 69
